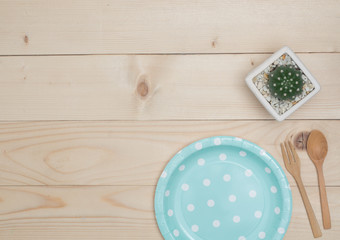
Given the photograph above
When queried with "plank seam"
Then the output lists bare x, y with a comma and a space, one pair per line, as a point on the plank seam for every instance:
151, 54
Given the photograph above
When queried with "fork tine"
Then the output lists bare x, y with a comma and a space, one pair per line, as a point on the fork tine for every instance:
290, 156
296, 157
284, 155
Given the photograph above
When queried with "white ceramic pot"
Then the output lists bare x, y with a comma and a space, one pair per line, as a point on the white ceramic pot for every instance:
268, 62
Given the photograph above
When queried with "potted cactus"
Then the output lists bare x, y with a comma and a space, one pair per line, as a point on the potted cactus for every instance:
282, 83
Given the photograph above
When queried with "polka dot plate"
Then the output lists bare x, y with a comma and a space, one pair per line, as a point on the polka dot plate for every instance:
223, 188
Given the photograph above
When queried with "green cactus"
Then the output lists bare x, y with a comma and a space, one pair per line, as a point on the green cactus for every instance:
285, 83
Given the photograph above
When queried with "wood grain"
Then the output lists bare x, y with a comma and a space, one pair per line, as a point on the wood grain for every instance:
113, 212
77, 213
157, 87
171, 26
134, 153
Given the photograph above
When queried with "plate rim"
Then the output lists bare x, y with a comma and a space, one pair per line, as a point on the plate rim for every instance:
203, 143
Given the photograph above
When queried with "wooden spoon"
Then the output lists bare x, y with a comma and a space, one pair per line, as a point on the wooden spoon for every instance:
317, 149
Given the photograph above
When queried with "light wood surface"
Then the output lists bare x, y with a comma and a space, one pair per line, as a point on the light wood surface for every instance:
156, 87
114, 212
96, 96
170, 26
99, 152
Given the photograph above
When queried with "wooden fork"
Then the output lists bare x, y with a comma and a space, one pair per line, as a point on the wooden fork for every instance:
292, 163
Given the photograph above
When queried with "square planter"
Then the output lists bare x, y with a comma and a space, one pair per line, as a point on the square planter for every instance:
258, 82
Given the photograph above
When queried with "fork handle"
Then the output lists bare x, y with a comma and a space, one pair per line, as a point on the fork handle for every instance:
311, 216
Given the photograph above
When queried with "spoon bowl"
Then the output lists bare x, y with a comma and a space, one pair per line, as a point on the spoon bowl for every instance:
317, 146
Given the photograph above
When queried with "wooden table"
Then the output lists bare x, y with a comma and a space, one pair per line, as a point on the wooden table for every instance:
97, 96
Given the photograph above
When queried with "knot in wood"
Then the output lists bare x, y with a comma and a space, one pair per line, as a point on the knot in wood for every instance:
142, 88
26, 39
300, 140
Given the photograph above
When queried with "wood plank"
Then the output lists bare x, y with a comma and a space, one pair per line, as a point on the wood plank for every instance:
115, 213
172, 26
135, 153
157, 87
77, 212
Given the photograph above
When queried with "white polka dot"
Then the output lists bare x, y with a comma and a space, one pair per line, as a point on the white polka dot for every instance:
167, 193
232, 198
181, 168
216, 223
268, 170
262, 152
170, 212
211, 203
164, 174
238, 139
236, 219
243, 154
191, 207
176, 233
223, 157
206, 182
185, 187
277, 210
252, 194
248, 173
194, 228
281, 230
242, 238
201, 161
273, 189
226, 177
258, 214
198, 146
262, 235
217, 141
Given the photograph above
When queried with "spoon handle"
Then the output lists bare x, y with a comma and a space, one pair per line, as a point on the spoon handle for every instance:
326, 217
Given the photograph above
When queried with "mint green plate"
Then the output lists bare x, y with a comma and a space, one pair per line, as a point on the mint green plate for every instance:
223, 188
